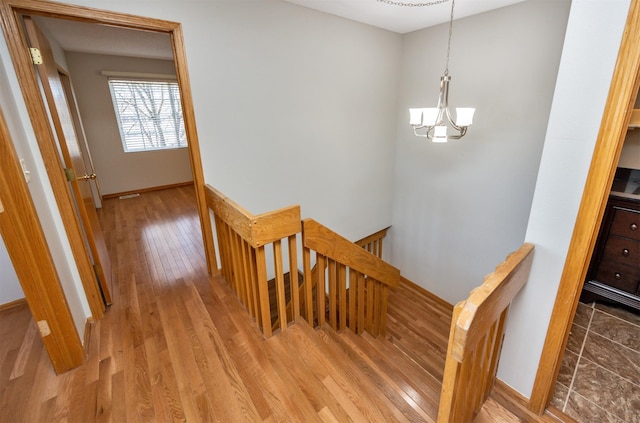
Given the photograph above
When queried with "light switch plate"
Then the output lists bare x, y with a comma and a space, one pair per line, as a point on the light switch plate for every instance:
27, 173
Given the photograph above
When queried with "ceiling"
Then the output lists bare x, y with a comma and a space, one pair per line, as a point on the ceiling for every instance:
399, 17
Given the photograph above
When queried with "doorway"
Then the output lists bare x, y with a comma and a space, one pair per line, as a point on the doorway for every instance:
12, 12
622, 94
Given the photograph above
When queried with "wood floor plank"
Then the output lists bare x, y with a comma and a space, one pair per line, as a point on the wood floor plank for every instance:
177, 345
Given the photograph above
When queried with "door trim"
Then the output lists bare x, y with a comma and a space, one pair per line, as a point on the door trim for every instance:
33, 262
613, 128
10, 11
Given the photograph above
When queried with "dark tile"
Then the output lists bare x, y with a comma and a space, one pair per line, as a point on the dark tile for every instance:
559, 396
616, 330
567, 368
585, 411
583, 315
608, 391
612, 356
576, 338
632, 316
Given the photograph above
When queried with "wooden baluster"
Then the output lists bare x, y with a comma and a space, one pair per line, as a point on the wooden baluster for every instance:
248, 280
333, 306
320, 288
369, 310
495, 349
263, 291
232, 257
361, 303
280, 295
294, 285
353, 296
254, 285
383, 309
473, 396
380, 248
237, 268
377, 301
342, 295
308, 285
221, 230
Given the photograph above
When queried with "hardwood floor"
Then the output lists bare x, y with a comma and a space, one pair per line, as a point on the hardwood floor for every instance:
177, 346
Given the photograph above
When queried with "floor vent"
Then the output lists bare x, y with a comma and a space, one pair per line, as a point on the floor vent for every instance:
124, 197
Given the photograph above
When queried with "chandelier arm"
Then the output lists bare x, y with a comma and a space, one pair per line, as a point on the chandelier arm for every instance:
463, 131
452, 122
425, 135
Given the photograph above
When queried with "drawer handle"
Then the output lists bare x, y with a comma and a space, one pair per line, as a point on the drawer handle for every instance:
617, 275
625, 252
634, 226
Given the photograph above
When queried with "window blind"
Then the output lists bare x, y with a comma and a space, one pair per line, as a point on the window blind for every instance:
149, 114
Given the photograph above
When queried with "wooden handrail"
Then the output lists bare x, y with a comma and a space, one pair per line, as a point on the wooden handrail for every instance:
476, 336
328, 243
260, 229
369, 280
242, 239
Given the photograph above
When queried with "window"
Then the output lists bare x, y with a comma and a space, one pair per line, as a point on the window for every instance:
149, 114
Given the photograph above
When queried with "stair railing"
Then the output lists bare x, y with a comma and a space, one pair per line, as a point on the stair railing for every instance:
242, 240
373, 242
364, 305
476, 337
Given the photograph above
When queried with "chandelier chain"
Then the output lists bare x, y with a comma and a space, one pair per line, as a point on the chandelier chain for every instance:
399, 3
446, 66
431, 3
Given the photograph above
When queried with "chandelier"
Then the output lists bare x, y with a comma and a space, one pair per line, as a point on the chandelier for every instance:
433, 122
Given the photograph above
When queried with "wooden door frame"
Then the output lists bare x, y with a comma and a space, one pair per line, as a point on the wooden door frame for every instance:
33, 262
613, 128
10, 12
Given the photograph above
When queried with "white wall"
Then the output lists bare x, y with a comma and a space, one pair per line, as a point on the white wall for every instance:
588, 59
292, 106
296, 106
119, 171
459, 208
10, 289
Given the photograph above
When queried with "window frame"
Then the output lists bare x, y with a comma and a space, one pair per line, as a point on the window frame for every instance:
145, 140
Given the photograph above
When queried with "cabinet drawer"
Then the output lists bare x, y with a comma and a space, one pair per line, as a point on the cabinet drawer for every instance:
626, 223
621, 277
622, 251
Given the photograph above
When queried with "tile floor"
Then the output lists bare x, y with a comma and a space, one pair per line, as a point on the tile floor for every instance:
599, 379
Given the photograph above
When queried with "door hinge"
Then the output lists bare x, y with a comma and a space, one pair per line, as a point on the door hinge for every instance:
36, 56
70, 174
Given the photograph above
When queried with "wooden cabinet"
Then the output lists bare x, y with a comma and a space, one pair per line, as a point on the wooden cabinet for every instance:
614, 272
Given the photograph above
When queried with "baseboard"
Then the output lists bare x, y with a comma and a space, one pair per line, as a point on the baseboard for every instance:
518, 404
150, 189
13, 304
443, 303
